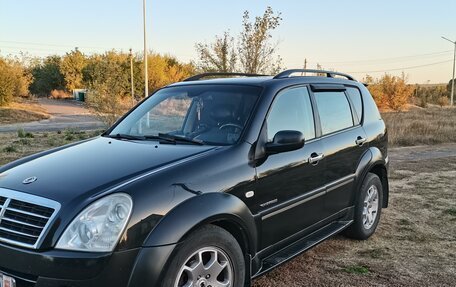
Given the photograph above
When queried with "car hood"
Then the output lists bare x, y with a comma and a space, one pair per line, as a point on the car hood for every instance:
93, 166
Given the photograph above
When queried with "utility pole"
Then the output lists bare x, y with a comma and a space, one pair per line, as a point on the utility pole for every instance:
146, 80
305, 67
131, 78
454, 64
146, 77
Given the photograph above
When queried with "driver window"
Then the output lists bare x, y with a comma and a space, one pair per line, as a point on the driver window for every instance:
292, 110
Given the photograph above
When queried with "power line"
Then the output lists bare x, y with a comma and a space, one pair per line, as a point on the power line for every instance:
34, 48
50, 45
404, 68
393, 58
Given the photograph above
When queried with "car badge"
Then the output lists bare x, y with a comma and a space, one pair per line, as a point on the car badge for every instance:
29, 180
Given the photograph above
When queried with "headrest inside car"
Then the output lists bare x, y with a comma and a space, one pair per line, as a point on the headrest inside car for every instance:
222, 113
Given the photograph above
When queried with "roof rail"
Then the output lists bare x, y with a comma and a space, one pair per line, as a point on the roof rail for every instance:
205, 75
329, 74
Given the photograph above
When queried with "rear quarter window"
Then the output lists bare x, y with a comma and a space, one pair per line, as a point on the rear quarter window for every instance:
355, 97
334, 111
371, 112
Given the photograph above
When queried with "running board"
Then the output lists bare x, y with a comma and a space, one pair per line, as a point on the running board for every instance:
302, 245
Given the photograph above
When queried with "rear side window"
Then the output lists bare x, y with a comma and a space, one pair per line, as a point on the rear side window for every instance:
371, 113
292, 110
334, 110
355, 97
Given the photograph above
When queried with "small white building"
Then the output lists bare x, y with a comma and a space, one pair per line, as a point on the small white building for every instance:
79, 94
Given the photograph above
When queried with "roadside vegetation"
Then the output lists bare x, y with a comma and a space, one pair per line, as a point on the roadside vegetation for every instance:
22, 143
107, 78
419, 126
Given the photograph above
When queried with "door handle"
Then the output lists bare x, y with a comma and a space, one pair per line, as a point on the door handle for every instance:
316, 157
360, 141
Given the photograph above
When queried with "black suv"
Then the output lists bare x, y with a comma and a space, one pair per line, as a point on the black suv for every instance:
205, 183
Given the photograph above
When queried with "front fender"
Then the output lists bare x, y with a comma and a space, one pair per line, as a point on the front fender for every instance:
181, 220
204, 209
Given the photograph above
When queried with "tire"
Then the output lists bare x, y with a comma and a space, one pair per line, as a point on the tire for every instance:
206, 241
364, 225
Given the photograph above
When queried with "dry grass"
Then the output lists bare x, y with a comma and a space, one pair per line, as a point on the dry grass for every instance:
421, 126
22, 143
60, 95
21, 112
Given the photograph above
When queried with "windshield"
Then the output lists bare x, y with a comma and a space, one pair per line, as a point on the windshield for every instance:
208, 114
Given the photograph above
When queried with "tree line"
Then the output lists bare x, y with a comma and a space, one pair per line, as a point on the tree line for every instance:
107, 75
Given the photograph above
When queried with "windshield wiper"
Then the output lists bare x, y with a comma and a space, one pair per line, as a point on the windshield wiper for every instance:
174, 138
169, 138
126, 137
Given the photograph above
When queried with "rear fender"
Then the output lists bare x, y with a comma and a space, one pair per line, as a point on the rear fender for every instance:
372, 158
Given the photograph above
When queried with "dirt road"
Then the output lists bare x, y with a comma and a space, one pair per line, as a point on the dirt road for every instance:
415, 244
65, 114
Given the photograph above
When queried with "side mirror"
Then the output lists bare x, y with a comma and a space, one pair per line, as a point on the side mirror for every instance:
285, 141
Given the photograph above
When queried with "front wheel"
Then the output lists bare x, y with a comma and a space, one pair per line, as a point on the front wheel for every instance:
208, 257
368, 208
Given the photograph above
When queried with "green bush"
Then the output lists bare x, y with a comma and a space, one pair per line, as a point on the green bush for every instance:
23, 134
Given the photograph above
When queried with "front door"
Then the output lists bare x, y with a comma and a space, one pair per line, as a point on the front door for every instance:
289, 191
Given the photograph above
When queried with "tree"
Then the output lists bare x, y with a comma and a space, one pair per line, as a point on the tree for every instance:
71, 67
108, 78
252, 52
219, 56
6, 84
165, 69
256, 52
390, 91
14, 80
47, 76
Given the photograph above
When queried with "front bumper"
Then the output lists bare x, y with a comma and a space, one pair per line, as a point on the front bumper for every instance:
57, 268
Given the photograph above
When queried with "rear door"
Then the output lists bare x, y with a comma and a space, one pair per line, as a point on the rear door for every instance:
289, 194
343, 138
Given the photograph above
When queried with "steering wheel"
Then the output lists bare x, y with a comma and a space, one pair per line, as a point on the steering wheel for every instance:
230, 125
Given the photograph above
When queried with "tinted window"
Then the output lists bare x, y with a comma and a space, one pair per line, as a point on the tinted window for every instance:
371, 112
334, 110
355, 97
292, 110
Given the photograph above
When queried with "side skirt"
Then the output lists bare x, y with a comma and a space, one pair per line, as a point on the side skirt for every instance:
301, 245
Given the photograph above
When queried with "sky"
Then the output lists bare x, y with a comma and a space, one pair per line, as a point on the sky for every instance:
352, 36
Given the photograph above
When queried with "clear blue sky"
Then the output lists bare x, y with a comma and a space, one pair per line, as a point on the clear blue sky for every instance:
352, 36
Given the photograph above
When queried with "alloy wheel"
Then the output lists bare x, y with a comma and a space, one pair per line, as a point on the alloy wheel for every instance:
370, 210
207, 267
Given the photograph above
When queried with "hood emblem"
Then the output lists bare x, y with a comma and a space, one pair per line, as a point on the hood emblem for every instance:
29, 180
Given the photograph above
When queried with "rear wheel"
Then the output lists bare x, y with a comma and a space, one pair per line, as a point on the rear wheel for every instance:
368, 208
209, 257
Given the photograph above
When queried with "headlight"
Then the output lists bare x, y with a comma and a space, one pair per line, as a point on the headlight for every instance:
99, 227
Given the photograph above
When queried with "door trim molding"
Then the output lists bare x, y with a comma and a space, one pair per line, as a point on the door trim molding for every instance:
299, 200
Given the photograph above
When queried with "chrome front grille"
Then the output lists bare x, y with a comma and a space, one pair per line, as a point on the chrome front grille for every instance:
24, 218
